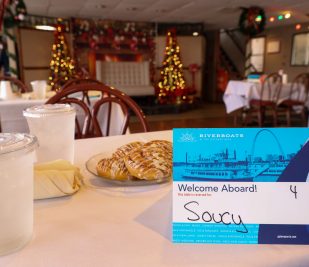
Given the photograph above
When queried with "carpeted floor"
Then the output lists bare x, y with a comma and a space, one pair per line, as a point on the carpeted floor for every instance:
207, 115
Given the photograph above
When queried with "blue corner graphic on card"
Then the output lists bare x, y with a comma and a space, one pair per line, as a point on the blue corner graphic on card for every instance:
241, 185
258, 155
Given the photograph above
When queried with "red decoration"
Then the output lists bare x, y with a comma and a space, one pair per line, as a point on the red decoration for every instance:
222, 79
93, 44
133, 44
248, 22
193, 68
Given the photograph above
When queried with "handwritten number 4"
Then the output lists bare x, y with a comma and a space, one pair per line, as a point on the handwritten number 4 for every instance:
293, 190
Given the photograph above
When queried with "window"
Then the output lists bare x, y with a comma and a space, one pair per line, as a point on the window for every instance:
257, 48
300, 50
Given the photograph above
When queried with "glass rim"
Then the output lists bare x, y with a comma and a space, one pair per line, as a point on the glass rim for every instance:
17, 143
46, 110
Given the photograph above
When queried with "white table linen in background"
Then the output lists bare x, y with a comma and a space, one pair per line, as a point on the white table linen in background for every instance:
129, 226
12, 119
238, 94
11, 114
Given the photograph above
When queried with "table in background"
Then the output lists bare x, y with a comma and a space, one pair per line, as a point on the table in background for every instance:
239, 93
12, 119
128, 226
11, 114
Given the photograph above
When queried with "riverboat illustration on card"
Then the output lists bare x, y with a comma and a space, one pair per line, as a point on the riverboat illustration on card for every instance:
241, 185
258, 155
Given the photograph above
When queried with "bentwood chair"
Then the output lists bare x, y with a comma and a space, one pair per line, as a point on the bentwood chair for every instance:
99, 114
18, 85
267, 101
297, 99
76, 81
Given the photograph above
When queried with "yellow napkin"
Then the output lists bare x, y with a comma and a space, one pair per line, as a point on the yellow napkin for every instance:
56, 179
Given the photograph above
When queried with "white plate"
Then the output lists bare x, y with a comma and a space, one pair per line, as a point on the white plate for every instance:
91, 167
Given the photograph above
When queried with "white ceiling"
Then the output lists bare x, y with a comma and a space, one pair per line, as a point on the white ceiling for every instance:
213, 13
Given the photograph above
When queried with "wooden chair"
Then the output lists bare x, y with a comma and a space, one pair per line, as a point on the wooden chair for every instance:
98, 113
297, 99
76, 81
267, 101
18, 85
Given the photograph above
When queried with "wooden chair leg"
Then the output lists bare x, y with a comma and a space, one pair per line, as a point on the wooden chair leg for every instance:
235, 119
275, 117
260, 117
288, 117
304, 117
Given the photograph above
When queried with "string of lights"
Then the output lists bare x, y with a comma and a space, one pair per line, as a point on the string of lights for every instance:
61, 65
172, 83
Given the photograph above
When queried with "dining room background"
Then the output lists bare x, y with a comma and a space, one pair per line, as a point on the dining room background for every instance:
262, 42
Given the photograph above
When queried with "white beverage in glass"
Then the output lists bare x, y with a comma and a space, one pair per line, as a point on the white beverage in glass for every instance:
16, 190
54, 126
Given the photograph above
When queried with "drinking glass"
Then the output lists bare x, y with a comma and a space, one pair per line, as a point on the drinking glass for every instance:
54, 126
39, 89
6, 91
16, 190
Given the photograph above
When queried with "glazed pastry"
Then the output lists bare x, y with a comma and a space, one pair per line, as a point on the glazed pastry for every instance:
126, 149
151, 162
113, 168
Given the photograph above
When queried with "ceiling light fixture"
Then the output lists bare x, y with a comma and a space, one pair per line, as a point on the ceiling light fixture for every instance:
195, 34
45, 27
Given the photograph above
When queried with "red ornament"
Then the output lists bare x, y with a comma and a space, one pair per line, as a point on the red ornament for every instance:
133, 44
110, 33
93, 44
179, 92
84, 36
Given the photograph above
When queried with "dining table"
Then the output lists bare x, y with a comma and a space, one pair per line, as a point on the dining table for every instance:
239, 93
11, 114
12, 119
112, 224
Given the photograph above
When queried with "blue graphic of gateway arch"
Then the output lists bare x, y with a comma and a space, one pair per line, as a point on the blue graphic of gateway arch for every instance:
273, 135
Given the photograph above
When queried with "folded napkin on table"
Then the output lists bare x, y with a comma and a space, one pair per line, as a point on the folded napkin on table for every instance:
55, 179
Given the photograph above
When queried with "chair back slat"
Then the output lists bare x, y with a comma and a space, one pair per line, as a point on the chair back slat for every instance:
100, 112
21, 87
271, 88
299, 88
108, 115
81, 125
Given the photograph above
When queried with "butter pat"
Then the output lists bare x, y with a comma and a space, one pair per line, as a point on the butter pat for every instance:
56, 179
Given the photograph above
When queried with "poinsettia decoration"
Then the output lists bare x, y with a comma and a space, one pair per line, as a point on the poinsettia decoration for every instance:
114, 34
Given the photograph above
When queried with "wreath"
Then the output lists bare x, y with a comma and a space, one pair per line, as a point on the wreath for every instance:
252, 21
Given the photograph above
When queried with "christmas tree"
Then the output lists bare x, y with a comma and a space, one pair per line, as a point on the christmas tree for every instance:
171, 87
61, 65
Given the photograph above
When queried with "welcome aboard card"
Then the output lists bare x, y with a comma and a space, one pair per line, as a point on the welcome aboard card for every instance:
241, 186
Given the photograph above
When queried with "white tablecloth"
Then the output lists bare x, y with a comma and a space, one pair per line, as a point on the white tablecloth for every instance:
12, 119
128, 226
239, 93
11, 114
